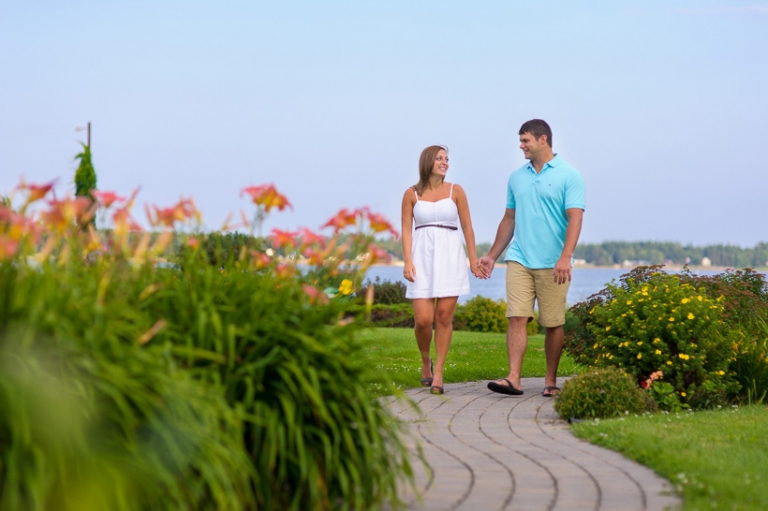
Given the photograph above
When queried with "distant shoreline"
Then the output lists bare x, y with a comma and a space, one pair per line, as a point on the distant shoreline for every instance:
673, 267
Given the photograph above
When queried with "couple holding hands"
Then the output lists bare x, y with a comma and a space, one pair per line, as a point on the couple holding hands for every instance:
545, 206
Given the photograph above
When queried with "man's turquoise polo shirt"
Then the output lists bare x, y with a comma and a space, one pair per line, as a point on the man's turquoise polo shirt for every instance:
540, 201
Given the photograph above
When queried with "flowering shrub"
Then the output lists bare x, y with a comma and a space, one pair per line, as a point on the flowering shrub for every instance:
661, 324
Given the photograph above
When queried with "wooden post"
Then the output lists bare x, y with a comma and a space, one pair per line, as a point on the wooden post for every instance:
89, 134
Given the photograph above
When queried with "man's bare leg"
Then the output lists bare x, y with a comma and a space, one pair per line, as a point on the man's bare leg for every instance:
517, 343
553, 348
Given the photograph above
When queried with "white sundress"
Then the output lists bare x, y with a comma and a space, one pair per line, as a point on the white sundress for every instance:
437, 251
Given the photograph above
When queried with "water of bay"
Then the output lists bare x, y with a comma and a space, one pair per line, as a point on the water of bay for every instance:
585, 281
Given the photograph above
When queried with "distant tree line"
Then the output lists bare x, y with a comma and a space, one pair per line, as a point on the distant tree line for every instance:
654, 252
610, 253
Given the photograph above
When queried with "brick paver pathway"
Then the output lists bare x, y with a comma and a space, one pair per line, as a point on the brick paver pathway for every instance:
486, 451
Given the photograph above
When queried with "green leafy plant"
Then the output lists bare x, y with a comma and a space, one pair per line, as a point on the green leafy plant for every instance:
85, 178
602, 393
385, 292
482, 314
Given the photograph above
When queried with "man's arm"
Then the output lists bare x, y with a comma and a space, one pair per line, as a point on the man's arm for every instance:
503, 237
562, 271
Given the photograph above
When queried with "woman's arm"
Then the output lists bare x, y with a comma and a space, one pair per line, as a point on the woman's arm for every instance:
460, 197
406, 228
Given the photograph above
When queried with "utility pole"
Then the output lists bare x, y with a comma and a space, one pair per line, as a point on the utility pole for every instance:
89, 133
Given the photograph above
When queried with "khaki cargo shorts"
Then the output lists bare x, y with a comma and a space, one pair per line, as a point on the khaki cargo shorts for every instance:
525, 285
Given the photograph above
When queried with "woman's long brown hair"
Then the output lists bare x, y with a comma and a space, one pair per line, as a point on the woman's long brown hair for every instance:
426, 163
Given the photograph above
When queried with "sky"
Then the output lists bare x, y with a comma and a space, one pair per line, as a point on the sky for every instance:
661, 105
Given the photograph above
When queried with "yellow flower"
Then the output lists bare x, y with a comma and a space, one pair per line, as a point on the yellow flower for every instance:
629, 302
690, 315
346, 287
595, 346
684, 300
656, 341
623, 315
699, 298
645, 293
607, 328
658, 352
640, 343
669, 362
683, 394
721, 373
671, 319
639, 355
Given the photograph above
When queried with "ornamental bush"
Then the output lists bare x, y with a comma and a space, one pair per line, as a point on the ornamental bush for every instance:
660, 323
602, 393
481, 314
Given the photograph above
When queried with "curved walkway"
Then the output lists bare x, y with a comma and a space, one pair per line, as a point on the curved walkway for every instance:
486, 451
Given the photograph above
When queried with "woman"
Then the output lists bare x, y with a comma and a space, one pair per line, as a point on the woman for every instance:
435, 263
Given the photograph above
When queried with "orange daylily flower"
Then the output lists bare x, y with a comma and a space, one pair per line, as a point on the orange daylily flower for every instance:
342, 219
315, 295
8, 247
284, 238
316, 257
106, 198
267, 197
36, 192
123, 220
260, 259
63, 213
309, 238
380, 224
376, 253
183, 210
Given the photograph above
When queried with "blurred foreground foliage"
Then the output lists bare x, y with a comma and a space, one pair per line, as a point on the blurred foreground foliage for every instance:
227, 380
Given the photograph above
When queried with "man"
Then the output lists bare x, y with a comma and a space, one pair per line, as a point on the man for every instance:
545, 206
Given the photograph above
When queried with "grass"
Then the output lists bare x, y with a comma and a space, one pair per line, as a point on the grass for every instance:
715, 459
473, 356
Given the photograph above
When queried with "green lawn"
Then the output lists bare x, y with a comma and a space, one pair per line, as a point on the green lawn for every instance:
715, 459
473, 356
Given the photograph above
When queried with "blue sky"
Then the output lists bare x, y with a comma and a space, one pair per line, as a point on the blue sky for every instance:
662, 105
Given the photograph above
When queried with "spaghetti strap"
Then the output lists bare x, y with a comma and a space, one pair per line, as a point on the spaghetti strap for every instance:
450, 195
416, 194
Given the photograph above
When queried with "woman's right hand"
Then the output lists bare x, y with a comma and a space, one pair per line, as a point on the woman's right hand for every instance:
409, 272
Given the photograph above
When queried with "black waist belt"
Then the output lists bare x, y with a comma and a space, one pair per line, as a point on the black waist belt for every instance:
451, 227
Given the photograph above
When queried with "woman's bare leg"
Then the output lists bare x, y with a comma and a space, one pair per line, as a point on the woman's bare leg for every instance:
424, 315
443, 333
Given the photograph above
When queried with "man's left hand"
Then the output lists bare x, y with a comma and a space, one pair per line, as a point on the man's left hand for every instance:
562, 271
